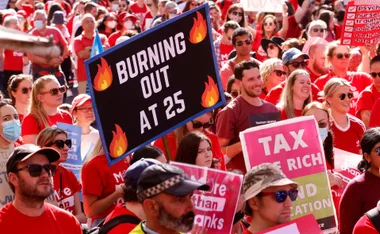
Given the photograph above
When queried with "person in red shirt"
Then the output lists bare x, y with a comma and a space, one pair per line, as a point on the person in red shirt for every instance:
47, 96
347, 129
66, 185
272, 47
353, 204
139, 9
127, 21
339, 57
20, 92
365, 224
108, 25
223, 45
150, 15
369, 95
42, 65
296, 94
200, 124
269, 195
316, 64
224, 5
30, 172
272, 73
131, 206
102, 184
334, 30
374, 121
82, 48
65, 5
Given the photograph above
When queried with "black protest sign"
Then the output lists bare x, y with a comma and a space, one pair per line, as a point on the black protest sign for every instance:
262, 119
154, 82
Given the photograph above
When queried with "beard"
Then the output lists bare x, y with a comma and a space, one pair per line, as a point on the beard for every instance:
181, 224
319, 69
251, 93
32, 191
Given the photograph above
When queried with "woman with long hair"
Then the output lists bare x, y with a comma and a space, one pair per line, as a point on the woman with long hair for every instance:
333, 30
66, 185
108, 24
47, 96
362, 193
53, 8
347, 129
296, 94
101, 183
20, 92
189, 5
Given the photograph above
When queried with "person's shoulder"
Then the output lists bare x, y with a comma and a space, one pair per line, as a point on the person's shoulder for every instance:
364, 225
356, 121
58, 212
359, 74
29, 118
269, 106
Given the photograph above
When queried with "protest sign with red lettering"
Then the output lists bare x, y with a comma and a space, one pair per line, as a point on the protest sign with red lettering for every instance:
361, 23
305, 224
215, 208
295, 147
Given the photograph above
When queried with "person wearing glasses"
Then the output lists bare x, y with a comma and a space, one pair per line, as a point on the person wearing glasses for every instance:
347, 129
223, 45
199, 124
317, 28
292, 59
66, 185
47, 96
339, 58
296, 94
353, 203
30, 171
269, 195
272, 47
20, 92
272, 73
150, 15
369, 95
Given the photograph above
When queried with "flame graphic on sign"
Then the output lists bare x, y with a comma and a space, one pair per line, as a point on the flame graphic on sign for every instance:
211, 94
119, 142
103, 78
199, 30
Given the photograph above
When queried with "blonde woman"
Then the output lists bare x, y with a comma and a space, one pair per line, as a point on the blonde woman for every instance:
296, 94
20, 91
347, 129
47, 96
317, 28
272, 73
66, 185
102, 184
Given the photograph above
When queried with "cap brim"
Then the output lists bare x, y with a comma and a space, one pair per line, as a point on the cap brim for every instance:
265, 42
186, 187
51, 154
285, 181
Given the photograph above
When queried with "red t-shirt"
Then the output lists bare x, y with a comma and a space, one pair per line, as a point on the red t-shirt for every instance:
225, 50
284, 116
365, 226
348, 139
358, 80
30, 125
374, 120
101, 180
81, 42
66, 7
138, 11
122, 228
294, 29
65, 186
233, 119
114, 36
224, 9
13, 60
367, 99
313, 76
172, 142
247, 232
274, 94
147, 17
52, 220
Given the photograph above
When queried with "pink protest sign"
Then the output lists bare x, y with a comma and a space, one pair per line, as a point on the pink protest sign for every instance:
215, 208
361, 24
295, 147
305, 224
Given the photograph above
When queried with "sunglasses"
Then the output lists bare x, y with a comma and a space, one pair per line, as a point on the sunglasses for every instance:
271, 46
197, 124
247, 42
377, 150
35, 170
234, 94
268, 24
340, 55
61, 143
26, 90
374, 74
298, 64
235, 13
280, 73
318, 29
281, 196
342, 96
55, 91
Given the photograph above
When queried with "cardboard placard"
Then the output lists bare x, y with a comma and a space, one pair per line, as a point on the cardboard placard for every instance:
262, 5
304, 224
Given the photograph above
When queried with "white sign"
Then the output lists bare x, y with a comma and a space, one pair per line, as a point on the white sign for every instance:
262, 5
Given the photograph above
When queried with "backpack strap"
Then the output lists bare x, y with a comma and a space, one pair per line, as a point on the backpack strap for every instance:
118, 220
374, 216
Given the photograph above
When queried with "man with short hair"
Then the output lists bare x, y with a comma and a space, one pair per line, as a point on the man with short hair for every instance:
292, 59
269, 195
234, 118
223, 45
30, 172
316, 66
89, 8
165, 193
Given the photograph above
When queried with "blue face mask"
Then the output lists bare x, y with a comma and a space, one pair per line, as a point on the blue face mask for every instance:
323, 132
11, 130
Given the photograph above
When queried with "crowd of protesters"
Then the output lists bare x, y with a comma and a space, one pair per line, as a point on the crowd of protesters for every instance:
291, 62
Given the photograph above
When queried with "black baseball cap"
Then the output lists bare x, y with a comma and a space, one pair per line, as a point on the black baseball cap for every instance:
165, 178
132, 175
24, 152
